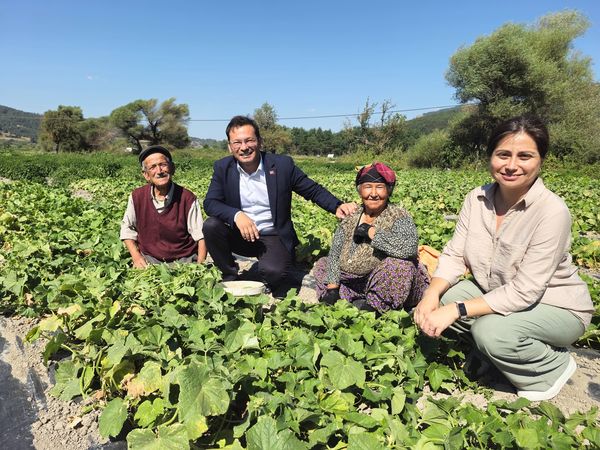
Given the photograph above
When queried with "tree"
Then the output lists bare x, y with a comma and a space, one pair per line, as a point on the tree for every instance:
144, 120
60, 129
265, 117
96, 133
276, 138
520, 68
390, 133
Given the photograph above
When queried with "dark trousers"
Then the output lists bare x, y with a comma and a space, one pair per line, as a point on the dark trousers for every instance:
274, 261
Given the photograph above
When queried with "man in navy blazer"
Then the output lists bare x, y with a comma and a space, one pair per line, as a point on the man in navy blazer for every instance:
249, 203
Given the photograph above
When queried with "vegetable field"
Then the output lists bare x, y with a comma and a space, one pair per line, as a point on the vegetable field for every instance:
175, 362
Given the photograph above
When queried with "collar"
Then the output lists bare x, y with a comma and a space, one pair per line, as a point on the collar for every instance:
259, 170
528, 199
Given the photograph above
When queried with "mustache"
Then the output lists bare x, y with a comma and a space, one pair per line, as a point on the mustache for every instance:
162, 175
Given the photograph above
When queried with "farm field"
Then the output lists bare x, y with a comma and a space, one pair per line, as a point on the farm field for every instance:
170, 361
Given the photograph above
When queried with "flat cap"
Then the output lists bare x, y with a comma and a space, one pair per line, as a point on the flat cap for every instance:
154, 149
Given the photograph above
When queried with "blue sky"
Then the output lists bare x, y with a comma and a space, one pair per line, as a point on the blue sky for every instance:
306, 58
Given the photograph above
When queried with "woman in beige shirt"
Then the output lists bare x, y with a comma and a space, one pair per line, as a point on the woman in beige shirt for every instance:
526, 303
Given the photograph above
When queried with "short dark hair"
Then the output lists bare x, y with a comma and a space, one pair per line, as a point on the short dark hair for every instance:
240, 121
527, 123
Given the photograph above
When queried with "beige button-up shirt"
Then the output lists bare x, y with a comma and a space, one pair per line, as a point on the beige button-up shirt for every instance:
525, 261
129, 222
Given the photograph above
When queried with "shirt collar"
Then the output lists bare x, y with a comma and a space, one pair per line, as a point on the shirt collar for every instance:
529, 198
259, 170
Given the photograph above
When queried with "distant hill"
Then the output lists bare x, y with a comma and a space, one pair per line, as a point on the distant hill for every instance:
213, 143
16, 123
435, 120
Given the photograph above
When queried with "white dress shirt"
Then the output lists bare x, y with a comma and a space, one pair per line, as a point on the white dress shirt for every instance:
254, 197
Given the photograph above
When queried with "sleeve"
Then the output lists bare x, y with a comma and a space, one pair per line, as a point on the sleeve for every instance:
333, 260
312, 190
129, 222
399, 241
194, 221
214, 203
549, 243
451, 264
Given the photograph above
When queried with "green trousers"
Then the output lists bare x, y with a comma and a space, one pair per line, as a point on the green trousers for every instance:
528, 346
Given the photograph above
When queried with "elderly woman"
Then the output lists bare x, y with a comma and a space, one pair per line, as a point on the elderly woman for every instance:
373, 259
526, 303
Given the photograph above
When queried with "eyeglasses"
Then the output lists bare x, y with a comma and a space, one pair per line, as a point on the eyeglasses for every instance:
236, 145
161, 166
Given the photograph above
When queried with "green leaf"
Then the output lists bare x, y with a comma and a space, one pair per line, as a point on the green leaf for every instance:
310, 318
527, 438
116, 352
242, 337
67, 381
200, 396
54, 345
343, 371
148, 411
398, 400
172, 437
336, 402
155, 336
112, 418
436, 374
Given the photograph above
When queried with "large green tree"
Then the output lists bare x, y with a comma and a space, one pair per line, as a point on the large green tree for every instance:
147, 120
533, 69
276, 138
59, 129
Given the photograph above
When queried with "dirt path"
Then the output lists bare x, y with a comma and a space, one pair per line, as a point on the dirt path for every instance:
29, 416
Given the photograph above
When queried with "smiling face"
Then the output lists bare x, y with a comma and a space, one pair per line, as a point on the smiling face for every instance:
515, 163
158, 170
374, 196
245, 147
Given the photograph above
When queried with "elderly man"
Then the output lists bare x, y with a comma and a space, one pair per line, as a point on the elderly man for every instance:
249, 202
163, 221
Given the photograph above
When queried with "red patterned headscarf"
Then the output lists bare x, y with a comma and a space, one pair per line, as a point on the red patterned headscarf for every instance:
376, 173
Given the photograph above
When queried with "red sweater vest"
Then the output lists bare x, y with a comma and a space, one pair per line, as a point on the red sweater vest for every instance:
164, 236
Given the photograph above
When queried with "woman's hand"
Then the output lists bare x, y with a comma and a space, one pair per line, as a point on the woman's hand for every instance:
434, 323
429, 303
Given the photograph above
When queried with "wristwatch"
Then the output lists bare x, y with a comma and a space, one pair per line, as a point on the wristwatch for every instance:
462, 310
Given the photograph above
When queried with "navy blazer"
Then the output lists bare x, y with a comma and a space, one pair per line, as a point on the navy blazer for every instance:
283, 177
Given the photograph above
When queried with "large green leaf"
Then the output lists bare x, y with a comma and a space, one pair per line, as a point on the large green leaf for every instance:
241, 337
112, 418
343, 371
437, 374
200, 395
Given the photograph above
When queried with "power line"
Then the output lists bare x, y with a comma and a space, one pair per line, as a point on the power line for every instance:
328, 116
324, 116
